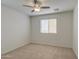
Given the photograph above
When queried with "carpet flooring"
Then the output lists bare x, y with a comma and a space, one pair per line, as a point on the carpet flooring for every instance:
37, 51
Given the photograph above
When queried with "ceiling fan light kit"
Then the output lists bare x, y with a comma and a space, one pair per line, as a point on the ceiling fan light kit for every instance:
36, 7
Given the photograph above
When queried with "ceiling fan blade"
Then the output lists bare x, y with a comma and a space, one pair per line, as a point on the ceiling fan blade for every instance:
27, 6
45, 7
35, 1
32, 10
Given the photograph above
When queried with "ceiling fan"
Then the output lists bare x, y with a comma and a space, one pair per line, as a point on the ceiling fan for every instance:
37, 6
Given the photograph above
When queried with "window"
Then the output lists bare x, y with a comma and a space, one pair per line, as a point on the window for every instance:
48, 26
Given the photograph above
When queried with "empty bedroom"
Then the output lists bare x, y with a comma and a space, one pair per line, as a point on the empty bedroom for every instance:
39, 29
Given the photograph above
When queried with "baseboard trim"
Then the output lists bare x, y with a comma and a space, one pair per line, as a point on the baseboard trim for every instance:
48, 45
75, 54
15, 49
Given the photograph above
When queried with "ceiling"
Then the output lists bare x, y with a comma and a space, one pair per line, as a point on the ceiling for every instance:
63, 5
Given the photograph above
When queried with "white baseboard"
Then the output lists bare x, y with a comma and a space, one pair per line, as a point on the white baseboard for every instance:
46, 43
75, 54
14, 48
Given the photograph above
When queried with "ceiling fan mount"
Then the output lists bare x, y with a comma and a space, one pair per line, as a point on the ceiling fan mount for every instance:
37, 6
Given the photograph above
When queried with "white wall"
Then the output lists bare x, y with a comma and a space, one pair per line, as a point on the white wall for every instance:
15, 29
75, 31
62, 38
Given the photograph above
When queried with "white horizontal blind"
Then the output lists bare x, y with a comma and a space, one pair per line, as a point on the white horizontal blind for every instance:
44, 26
48, 26
52, 26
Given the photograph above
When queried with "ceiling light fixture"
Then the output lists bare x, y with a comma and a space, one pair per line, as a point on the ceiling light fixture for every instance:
37, 7
56, 9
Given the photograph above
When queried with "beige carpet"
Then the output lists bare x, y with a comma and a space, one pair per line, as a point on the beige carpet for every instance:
36, 51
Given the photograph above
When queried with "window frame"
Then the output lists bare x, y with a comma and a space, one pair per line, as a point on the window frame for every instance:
48, 26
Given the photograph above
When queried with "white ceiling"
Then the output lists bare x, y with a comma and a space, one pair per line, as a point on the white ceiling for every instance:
63, 5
